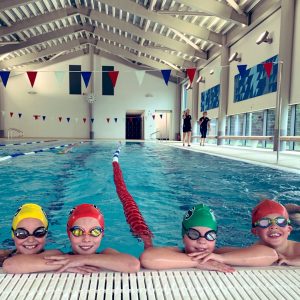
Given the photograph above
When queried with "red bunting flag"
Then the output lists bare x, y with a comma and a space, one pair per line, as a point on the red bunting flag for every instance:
268, 68
84, 120
107, 120
36, 117
32, 76
59, 118
113, 75
191, 74
11, 114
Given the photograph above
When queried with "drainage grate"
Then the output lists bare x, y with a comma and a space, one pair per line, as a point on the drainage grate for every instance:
278, 283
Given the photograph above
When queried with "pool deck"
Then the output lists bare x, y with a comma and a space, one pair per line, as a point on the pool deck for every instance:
245, 283
288, 160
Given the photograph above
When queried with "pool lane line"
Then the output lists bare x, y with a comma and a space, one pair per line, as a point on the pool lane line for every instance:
35, 151
27, 143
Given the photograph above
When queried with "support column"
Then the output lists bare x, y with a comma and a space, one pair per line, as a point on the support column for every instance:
91, 90
1, 116
195, 104
223, 100
284, 69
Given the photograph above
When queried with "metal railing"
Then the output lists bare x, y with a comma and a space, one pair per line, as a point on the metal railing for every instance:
14, 133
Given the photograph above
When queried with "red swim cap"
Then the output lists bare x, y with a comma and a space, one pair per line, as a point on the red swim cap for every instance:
82, 211
267, 207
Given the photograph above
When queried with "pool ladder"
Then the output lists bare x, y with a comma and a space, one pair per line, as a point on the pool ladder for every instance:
14, 133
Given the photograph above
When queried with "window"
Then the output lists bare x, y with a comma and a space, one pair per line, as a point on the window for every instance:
74, 79
270, 124
107, 86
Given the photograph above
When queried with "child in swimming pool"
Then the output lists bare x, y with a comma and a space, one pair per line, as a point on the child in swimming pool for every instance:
271, 224
199, 232
29, 231
85, 229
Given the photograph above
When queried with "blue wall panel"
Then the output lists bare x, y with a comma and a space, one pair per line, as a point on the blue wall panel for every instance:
256, 82
210, 98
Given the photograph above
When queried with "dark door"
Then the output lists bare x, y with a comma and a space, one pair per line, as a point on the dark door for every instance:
134, 127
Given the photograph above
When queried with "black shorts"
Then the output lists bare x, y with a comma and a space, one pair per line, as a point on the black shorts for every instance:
203, 131
186, 129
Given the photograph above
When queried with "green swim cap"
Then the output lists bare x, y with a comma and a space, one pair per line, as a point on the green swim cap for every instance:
199, 215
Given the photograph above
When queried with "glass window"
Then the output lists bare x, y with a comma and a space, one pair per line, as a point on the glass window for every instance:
237, 125
270, 126
297, 120
289, 131
213, 131
255, 123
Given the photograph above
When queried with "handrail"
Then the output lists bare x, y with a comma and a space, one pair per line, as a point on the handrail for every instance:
11, 131
253, 137
151, 135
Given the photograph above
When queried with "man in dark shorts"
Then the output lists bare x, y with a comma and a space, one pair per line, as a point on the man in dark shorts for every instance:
204, 125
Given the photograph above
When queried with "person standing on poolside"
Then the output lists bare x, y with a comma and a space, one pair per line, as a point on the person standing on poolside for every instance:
204, 126
187, 126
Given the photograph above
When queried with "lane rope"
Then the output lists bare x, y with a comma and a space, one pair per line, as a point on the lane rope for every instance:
132, 213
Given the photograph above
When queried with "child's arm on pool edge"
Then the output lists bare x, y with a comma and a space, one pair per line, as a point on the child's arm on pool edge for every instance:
253, 256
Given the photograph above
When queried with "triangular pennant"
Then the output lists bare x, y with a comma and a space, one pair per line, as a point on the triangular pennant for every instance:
268, 68
59, 75
59, 118
86, 77
153, 117
107, 120
4, 76
161, 116
166, 75
140, 76
44, 118
32, 76
84, 120
113, 75
36, 117
68, 119
92, 120
11, 114
116, 120
20, 115
242, 69
191, 74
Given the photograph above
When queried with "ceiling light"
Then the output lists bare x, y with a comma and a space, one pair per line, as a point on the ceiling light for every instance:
234, 56
188, 86
264, 38
211, 71
200, 79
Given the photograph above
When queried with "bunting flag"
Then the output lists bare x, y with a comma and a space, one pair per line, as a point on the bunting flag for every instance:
92, 120
59, 118
4, 76
116, 119
242, 69
153, 117
84, 120
36, 117
86, 77
68, 119
44, 118
140, 76
191, 74
11, 114
20, 115
113, 75
166, 75
161, 116
107, 120
268, 68
59, 75
32, 76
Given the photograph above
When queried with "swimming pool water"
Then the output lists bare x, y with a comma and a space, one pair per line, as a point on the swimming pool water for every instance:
164, 182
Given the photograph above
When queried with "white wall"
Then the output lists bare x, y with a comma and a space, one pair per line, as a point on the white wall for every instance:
53, 100
210, 81
295, 86
251, 55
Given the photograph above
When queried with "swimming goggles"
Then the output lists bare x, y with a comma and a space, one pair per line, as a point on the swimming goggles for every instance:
78, 231
266, 222
194, 234
22, 233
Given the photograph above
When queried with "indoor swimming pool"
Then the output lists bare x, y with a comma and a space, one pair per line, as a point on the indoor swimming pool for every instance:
164, 181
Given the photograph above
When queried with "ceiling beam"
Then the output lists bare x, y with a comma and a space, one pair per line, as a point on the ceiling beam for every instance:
8, 4
217, 9
151, 36
38, 20
173, 59
143, 60
33, 56
168, 21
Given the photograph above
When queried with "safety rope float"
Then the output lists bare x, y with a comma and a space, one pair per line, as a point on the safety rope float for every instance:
132, 213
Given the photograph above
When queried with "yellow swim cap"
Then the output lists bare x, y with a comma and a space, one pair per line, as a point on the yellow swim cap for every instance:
29, 210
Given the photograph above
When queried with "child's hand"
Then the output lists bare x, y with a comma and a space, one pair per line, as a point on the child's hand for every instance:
215, 266
206, 256
290, 261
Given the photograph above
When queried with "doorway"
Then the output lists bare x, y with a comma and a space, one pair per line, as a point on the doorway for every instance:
134, 126
163, 124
